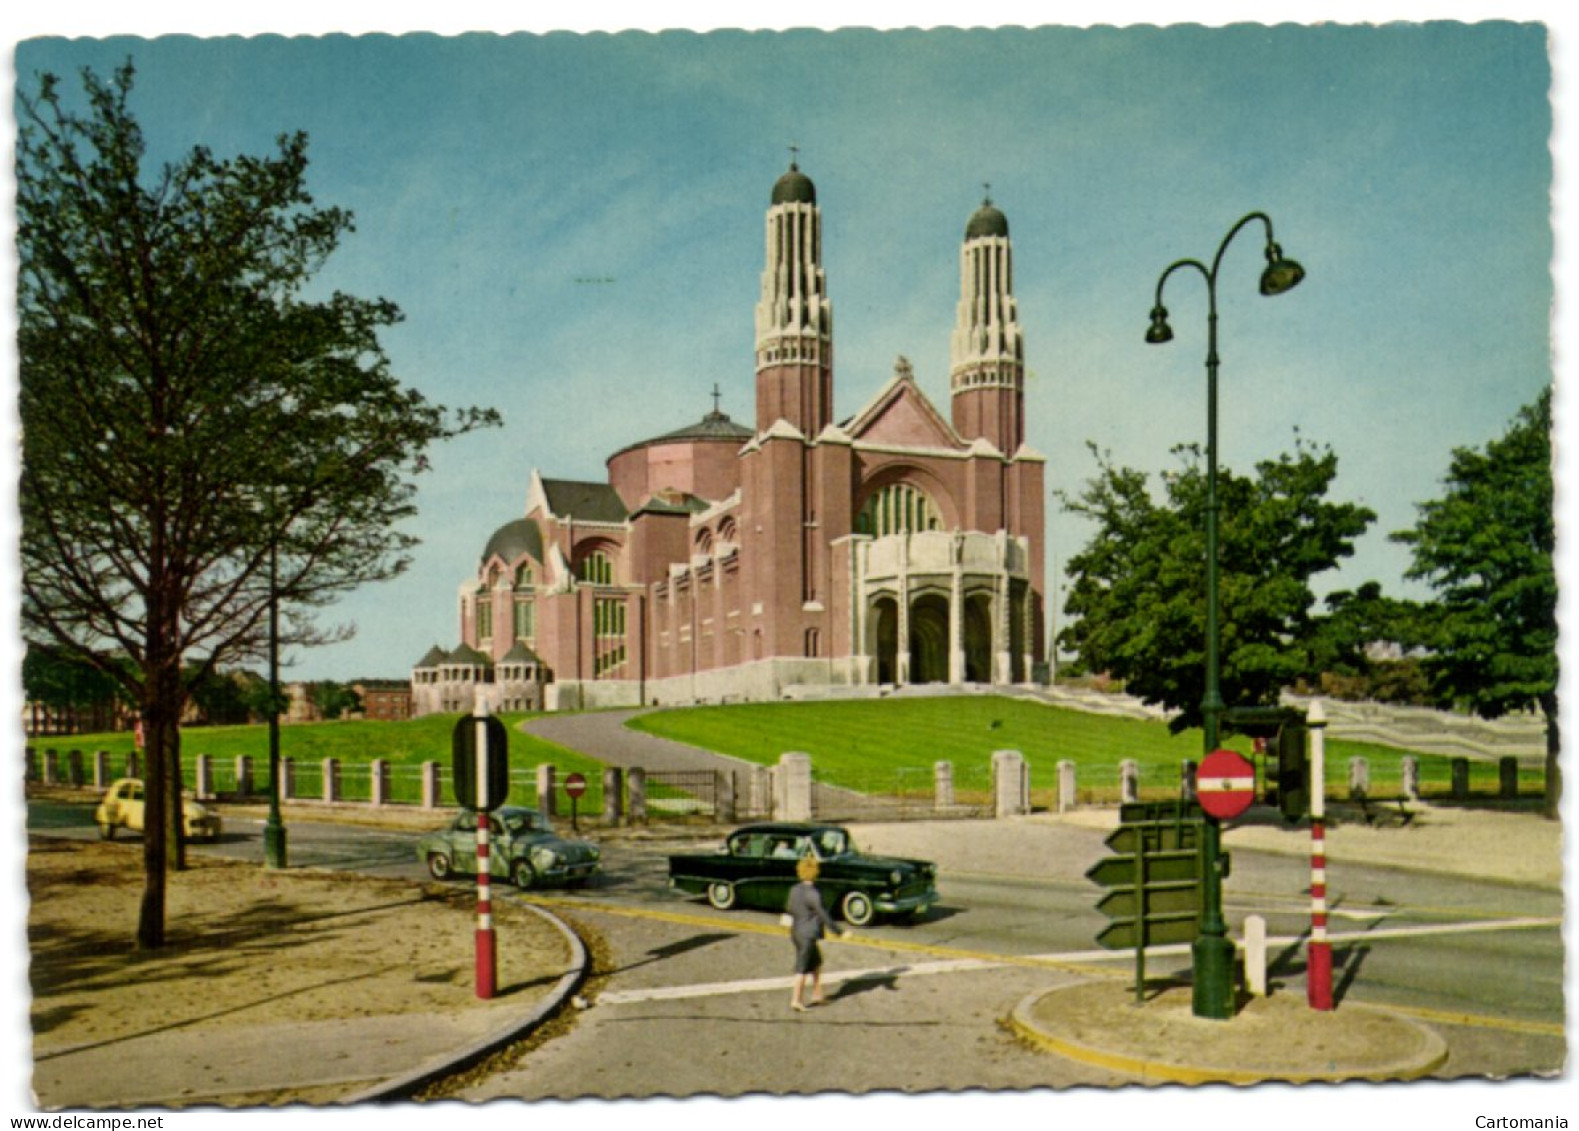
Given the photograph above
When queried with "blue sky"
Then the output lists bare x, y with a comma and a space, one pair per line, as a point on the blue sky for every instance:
572, 225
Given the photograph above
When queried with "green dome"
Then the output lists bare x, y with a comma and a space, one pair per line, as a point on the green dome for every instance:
513, 539
794, 187
987, 221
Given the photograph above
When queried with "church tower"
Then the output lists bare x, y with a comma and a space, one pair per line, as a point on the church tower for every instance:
794, 318
986, 350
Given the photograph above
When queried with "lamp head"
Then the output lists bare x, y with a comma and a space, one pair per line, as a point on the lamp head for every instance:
1159, 331
1280, 274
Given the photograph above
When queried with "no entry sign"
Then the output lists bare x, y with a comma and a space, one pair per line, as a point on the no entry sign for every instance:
1225, 783
575, 785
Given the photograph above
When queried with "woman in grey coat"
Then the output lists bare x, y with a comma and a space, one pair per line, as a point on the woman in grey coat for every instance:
808, 919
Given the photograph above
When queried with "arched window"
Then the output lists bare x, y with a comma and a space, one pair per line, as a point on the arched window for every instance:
704, 541
525, 621
524, 576
597, 569
898, 508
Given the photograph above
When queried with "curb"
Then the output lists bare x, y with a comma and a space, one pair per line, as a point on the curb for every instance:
1153, 1071
403, 1086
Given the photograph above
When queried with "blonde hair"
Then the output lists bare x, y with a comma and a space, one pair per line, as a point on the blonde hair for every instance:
807, 868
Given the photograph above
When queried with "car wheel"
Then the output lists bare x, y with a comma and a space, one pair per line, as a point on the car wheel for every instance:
721, 896
106, 831
521, 875
439, 866
857, 908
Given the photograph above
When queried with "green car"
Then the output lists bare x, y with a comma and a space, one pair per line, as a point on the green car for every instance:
522, 848
756, 868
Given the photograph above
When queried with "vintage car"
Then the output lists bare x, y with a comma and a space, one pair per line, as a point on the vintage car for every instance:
122, 808
522, 847
756, 868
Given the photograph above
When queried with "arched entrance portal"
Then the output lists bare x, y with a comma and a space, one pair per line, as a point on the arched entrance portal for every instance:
885, 639
978, 638
929, 640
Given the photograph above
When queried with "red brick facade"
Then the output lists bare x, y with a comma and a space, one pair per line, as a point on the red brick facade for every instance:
724, 562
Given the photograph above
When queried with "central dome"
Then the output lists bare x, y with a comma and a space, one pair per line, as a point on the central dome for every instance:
794, 187
987, 221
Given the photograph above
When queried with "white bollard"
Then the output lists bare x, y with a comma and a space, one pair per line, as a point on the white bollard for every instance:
1255, 955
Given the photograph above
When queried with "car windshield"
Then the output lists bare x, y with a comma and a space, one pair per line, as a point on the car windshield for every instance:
525, 821
832, 842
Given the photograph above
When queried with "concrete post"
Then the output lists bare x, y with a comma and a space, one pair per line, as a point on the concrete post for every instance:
203, 780
724, 796
1255, 955
1129, 781
794, 787
432, 786
613, 795
287, 778
1187, 780
75, 774
636, 785
547, 790
379, 782
1359, 778
1508, 775
1066, 786
1410, 770
331, 779
761, 791
101, 769
1009, 784
1460, 778
51, 766
244, 775
29, 764
133, 763
943, 785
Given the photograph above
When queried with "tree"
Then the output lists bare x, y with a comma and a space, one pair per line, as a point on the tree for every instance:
1340, 646
1138, 591
333, 699
72, 689
198, 437
1485, 548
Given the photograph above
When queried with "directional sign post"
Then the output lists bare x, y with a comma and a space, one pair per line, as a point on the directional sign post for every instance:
1154, 880
482, 781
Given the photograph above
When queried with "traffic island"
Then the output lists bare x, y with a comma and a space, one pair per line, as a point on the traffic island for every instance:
1276, 1038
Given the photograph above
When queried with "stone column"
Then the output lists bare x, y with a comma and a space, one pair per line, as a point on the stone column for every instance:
51, 766
794, 787
331, 779
943, 785
1128, 781
1359, 778
547, 789
287, 778
432, 786
1066, 786
613, 795
956, 613
1009, 784
76, 775
203, 784
902, 627
101, 769
1410, 771
379, 782
636, 783
244, 775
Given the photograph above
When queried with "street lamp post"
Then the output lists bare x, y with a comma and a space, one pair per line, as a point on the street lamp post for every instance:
1213, 953
274, 827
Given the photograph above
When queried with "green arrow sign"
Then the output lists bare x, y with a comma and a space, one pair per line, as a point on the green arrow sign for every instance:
1122, 935
1155, 838
1172, 899
1160, 867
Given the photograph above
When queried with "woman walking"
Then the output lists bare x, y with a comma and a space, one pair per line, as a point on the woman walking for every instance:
808, 918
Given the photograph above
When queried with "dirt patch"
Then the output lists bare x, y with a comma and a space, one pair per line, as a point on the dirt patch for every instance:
252, 948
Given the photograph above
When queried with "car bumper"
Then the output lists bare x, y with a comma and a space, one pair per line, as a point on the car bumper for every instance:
570, 873
913, 903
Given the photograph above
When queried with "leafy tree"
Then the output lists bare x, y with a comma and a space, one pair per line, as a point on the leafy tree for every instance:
197, 434
334, 699
70, 687
219, 696
1340, 641
1485, 547
1138, 594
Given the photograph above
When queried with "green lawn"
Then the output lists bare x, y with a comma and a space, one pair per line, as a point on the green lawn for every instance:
356, 744
876, 746
890, 745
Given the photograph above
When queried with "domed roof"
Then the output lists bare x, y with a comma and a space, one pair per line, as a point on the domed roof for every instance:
794, 187
987, 221
513, 539
714, 426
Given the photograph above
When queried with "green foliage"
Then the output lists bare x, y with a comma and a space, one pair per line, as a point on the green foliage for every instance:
333, 699
1486, 547
1138, 595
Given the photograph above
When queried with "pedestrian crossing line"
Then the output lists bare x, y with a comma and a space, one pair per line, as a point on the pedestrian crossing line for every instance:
1077, 965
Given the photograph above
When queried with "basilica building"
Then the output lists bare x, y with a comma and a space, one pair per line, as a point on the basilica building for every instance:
722, 561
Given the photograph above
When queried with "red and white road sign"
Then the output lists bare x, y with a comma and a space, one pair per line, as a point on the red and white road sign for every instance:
1225, 783
575, 785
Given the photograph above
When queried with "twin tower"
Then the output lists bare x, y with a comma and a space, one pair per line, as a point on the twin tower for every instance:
794, 343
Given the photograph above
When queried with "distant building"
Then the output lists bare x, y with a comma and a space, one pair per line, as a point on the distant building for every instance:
721, 561
387, 699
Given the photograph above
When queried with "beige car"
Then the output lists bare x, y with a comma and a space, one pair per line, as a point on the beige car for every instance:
122, 808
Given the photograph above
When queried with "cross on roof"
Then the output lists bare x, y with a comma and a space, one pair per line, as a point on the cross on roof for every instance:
716, 395
794, 155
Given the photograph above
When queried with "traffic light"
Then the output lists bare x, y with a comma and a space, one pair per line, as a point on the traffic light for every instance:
1288, 771
1279, 734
